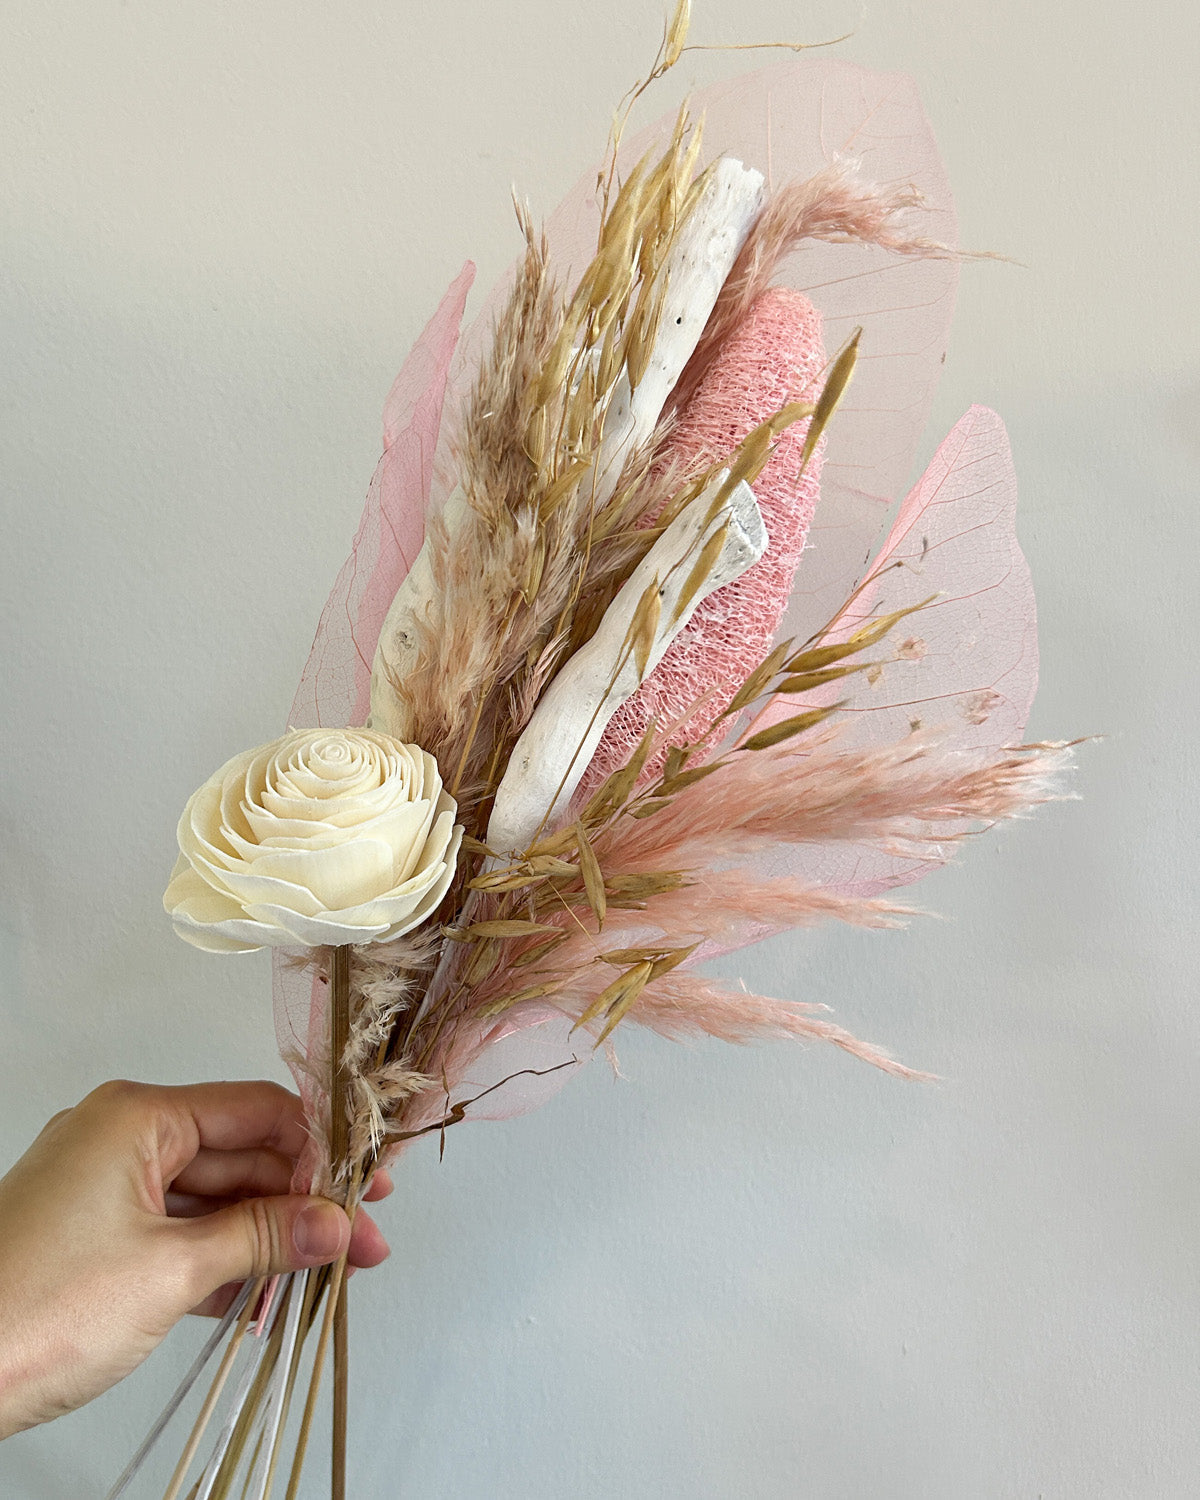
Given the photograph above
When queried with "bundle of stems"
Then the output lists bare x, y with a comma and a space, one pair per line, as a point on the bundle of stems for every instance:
264, 1333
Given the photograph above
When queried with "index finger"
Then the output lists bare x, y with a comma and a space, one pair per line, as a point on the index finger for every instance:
235, 1116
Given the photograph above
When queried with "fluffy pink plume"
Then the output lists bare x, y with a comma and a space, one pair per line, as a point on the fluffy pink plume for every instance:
688, 1005
918, 797
776, 356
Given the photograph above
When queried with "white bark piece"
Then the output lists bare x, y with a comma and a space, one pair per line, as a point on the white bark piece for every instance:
560, 739
695, 269
396, 650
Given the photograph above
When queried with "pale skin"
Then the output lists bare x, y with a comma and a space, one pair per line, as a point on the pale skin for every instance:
138, 1206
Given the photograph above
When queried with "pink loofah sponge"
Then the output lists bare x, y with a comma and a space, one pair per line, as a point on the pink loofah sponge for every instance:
775, 357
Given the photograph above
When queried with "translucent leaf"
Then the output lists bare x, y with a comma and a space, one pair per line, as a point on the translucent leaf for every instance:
968, 660
336, 686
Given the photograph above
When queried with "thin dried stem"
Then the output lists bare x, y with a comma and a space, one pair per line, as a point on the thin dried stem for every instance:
314, 1382
341, 1368
196, 1437
339, 1140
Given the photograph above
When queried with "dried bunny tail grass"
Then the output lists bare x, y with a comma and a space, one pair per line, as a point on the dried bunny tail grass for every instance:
378, 1100
682, 1005
911, 796
832, 205
449, 1052
473, 640
386, 980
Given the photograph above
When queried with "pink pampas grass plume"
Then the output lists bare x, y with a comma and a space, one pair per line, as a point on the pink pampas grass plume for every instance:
680, 1005
834, 205
913, 796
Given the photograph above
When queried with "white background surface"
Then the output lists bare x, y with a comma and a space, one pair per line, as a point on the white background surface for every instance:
766, 1273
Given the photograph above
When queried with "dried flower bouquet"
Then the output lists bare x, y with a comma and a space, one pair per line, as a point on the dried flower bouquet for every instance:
629, 697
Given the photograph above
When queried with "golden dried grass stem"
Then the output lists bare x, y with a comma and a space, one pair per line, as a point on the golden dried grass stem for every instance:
813, 658
339, 1141
670, 50
832, 41
839, 377
677, 30
341, 1370
339, 1035
787, 729
593, 878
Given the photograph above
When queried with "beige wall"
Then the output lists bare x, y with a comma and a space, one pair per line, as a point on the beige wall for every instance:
762, 1273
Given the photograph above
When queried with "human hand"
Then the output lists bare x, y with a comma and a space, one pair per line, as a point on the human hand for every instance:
137, 1206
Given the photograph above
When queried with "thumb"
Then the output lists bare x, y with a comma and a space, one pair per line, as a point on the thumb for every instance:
261, 1237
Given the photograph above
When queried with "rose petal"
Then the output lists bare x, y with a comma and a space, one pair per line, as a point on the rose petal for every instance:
339, 876
315, 932
299, 816
203, 811
433, 898
208, 920
246, 887
407, 830
396, 905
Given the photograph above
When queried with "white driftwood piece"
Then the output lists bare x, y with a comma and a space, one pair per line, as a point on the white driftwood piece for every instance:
695, 270
549, 759
699, 260
396, 650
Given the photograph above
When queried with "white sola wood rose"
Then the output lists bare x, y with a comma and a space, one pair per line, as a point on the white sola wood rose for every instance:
326, 836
